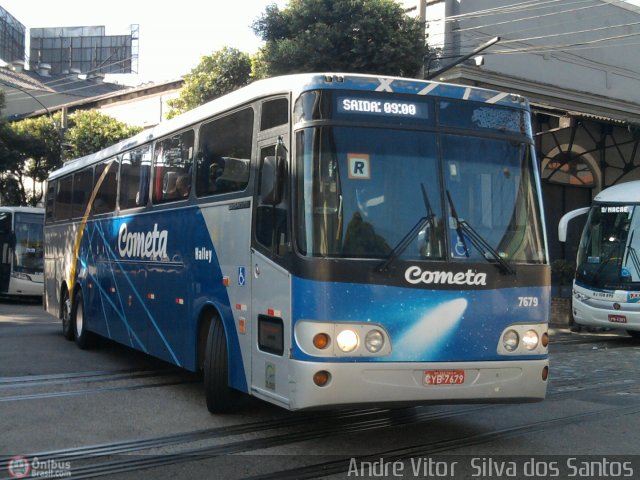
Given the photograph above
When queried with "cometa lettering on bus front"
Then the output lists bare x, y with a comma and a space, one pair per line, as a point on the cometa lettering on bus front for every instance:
415, 275
151, 244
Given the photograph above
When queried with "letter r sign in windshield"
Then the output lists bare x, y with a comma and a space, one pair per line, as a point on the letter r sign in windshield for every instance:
359, 166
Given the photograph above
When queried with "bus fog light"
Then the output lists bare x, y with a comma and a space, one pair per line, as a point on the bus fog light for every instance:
374, 341
321, 378
347, 340
530, 339
510, 340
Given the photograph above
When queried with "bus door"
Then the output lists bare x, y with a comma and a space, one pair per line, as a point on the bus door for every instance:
6, 250
271, 290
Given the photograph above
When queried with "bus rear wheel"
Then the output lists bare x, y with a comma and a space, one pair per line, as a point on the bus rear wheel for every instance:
221, 398
84, 338
65, 314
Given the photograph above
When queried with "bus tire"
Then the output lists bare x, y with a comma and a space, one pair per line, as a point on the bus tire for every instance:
65, 315
84, 338
221, 398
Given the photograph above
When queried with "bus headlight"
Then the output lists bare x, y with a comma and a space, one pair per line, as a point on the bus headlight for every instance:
374, 341
524, 339
510, 340
342, 339
347, 340
530, 340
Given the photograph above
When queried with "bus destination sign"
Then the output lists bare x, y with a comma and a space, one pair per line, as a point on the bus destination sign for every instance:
393, 108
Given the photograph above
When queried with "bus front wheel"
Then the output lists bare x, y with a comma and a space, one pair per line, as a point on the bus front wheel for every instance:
221, 398
84, 338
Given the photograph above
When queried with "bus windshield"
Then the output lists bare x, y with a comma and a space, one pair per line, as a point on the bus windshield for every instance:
29, 243
362, 190
608, 251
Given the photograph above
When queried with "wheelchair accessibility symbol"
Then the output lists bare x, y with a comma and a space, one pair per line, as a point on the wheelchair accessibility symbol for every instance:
242, 277
460, 248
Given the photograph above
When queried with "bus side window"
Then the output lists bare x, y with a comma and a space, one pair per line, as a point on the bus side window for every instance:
224, 154
172, 166
271, 219
105, 200
51, 194
82, 188
135, 172
63, 198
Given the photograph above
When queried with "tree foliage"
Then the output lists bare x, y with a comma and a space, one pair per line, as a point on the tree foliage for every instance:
31, 148
90, 131
364, 36
218, 74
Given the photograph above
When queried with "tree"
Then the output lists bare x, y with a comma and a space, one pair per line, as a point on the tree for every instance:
222, 72
90, 131
31, 148
36, 152
364, 36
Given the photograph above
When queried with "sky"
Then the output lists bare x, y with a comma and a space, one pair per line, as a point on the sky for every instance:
173, 35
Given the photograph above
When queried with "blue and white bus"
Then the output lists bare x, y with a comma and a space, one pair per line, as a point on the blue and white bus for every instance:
606, 289
21, 252
316, 240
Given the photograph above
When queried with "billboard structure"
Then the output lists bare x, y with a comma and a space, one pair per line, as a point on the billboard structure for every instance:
12, 37
86, 49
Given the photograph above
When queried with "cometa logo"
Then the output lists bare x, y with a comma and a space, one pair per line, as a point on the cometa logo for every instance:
142, 244
415, 275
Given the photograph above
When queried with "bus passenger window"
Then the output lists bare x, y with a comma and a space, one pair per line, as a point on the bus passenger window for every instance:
63, 198
274, 113
224, 154
105, 201
173, 160
82, 188
135, 173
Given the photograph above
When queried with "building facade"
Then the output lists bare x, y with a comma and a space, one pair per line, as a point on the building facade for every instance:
578, 65
12, 38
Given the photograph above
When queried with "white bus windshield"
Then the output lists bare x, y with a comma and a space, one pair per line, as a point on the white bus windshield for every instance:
29, 243
360, 191
608, 252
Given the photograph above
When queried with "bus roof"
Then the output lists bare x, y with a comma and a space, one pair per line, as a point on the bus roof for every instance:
628, 192
5, 208
297, 84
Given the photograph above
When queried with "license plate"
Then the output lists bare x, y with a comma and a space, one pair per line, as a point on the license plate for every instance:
443, 377
617, 318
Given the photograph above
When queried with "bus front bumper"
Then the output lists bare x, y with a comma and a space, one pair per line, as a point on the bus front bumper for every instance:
604, 315
405, 383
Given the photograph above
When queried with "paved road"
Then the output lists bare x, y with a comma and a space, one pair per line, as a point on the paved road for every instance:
118, 413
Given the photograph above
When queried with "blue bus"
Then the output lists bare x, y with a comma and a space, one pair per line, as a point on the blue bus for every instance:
316, 240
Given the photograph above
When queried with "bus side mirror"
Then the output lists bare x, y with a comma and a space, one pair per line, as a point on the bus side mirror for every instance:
271, 180
566, 218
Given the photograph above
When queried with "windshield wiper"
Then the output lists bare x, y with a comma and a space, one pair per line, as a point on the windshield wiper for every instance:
417, 228
463, 228
632, 252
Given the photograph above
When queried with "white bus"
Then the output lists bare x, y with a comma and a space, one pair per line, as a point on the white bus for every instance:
606, 289
21, 251
316, 240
